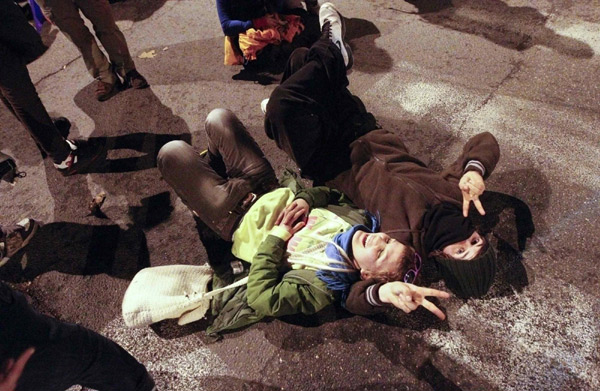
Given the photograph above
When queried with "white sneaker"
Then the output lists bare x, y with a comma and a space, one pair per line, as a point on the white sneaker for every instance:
332, 23
263, 105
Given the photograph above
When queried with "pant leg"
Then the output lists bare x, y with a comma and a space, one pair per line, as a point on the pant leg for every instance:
66, 354
19, 95
213, 197
65, 15
99, 12
306, 111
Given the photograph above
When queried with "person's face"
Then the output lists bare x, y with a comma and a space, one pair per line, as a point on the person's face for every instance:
376, 252
467, 249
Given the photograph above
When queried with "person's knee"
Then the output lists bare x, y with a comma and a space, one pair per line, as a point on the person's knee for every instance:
276, 108
170, 156
221, 125
297, 59
218, 118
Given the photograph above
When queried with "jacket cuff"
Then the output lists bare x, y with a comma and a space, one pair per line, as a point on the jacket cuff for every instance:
475, 165
372, 295
281, 233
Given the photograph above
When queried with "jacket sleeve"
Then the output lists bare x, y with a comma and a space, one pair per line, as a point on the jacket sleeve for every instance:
231, 26
17, 34
321, 196
480, 153
272, 295
363, 298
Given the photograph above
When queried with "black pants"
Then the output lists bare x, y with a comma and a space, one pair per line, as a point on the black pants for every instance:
19, 95
65, 354
312, 116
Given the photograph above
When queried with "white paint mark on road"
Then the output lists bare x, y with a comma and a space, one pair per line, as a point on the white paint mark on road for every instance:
547, 339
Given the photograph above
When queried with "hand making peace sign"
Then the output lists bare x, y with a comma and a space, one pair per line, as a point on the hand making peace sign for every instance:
472, 186
408, 297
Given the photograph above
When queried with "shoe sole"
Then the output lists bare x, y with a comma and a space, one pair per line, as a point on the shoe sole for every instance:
36, 226
342, 20
345, 44
350, 56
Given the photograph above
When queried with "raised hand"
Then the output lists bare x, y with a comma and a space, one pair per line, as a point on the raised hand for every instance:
472, 186
409, 297
12, 370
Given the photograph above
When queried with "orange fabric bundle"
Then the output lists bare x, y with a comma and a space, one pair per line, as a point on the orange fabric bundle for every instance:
253, 41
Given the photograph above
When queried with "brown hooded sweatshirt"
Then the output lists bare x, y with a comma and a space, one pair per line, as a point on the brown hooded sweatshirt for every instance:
385, 178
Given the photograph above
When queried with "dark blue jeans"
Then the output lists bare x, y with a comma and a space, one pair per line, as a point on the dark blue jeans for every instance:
65, 354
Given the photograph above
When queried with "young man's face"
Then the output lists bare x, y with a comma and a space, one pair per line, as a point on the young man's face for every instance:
467, 249
376, 252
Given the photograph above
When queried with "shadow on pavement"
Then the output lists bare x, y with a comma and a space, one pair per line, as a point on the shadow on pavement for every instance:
153, 210
402, 347
146, 143
517, 28
133, 120
511, 222
80, 249
135, 10
131, 111
361, 35
234, 384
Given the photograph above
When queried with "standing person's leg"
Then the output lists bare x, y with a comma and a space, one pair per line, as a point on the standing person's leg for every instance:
65, 15
19, 95
216, 184
99, 12
65, 354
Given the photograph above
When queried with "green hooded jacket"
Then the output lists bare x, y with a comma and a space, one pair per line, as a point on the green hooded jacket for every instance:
273, 288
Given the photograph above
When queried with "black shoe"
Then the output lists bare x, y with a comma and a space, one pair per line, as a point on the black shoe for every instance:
84, 153
133, 79
105, 91
63, 125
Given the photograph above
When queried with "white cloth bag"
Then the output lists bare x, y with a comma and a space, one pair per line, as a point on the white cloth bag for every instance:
169, 292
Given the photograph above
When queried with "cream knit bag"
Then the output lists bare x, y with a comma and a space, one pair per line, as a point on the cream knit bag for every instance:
170, 292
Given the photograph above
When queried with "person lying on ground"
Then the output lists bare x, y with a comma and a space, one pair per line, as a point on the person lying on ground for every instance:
313, 117
262, 33
305, 249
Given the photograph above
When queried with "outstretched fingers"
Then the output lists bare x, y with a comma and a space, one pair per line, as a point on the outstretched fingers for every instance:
14, 370
433, 309
424, 292
478, 205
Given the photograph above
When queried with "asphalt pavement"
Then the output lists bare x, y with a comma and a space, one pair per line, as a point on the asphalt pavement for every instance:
434, 71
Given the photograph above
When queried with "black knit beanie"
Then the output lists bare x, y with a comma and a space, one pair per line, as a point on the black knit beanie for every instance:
444, 224
469, 278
